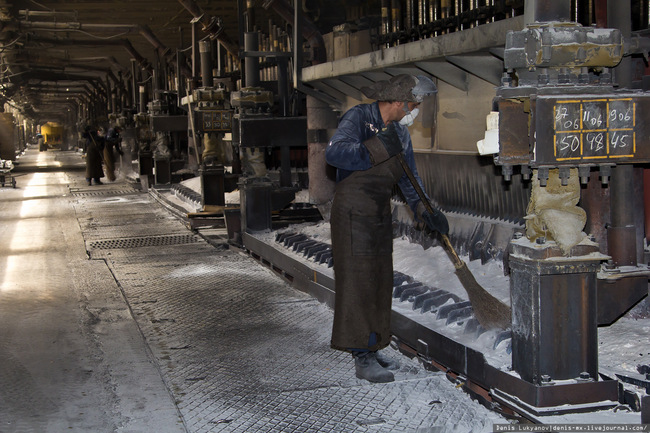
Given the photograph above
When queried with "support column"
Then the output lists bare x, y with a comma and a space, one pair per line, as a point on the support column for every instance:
322, 177
554, 311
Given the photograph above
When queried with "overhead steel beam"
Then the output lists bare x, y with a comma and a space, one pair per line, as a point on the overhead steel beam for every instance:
446, 72
410, 70
328, 90
375, 75
335, 103
486, 67
498, 52
344, 88
356, 81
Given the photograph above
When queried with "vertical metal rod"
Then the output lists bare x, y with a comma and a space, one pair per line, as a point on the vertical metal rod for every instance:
425, 12
134, 85
205, 48
283, 87
297, 48
408, 22
180, 83
155, 76
251, 64
619, 16
385, 14
600, 12
114, 100
444, 8
219, 61
143, 100
195, 52
434, 9
396, 16
622, 240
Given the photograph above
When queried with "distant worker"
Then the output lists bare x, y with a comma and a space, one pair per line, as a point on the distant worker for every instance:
41, 143
113, 144
94, 150
363, 150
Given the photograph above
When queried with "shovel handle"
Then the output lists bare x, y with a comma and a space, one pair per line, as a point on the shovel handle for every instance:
427, 204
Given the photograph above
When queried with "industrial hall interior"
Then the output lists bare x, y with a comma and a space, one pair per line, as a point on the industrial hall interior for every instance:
420, 216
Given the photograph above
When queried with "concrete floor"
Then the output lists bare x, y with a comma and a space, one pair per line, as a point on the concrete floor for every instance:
114, 317
62, 366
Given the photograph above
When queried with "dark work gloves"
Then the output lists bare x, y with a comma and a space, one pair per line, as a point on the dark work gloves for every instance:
384, 145
389, 138
436, 221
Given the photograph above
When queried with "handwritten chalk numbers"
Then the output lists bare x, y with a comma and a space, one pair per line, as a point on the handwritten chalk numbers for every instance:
621, 127
619, 140
592, 120
619, 116
569, 143
596, 141
594, 129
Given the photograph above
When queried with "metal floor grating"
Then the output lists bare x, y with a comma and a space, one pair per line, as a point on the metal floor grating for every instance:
103, 192
242, 351
147, 241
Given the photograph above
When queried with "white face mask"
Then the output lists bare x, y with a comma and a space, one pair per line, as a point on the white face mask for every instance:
409, 118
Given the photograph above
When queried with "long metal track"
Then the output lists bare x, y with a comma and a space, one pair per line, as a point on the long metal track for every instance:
437, 346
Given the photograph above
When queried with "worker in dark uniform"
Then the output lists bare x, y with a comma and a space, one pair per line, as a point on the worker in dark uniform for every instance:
94, 151
112, 144
363, 150
41, 143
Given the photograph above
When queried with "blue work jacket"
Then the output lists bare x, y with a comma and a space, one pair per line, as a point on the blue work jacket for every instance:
347, 153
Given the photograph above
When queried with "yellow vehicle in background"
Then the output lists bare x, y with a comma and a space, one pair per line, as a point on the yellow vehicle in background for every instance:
52, 134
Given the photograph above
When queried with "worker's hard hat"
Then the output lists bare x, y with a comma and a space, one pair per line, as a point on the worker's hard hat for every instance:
403, 87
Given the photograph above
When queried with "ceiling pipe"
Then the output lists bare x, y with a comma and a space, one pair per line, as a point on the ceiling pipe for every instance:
80, 62
63, 66
144, 31
63, 74
26, 13
58, 88
211, 25
47, 75
141, 61
110, 59
64, 88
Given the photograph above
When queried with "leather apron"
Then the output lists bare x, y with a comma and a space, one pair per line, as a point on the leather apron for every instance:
362, 245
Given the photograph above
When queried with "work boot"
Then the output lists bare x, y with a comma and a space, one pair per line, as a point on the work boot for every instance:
367, 367
387, 362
